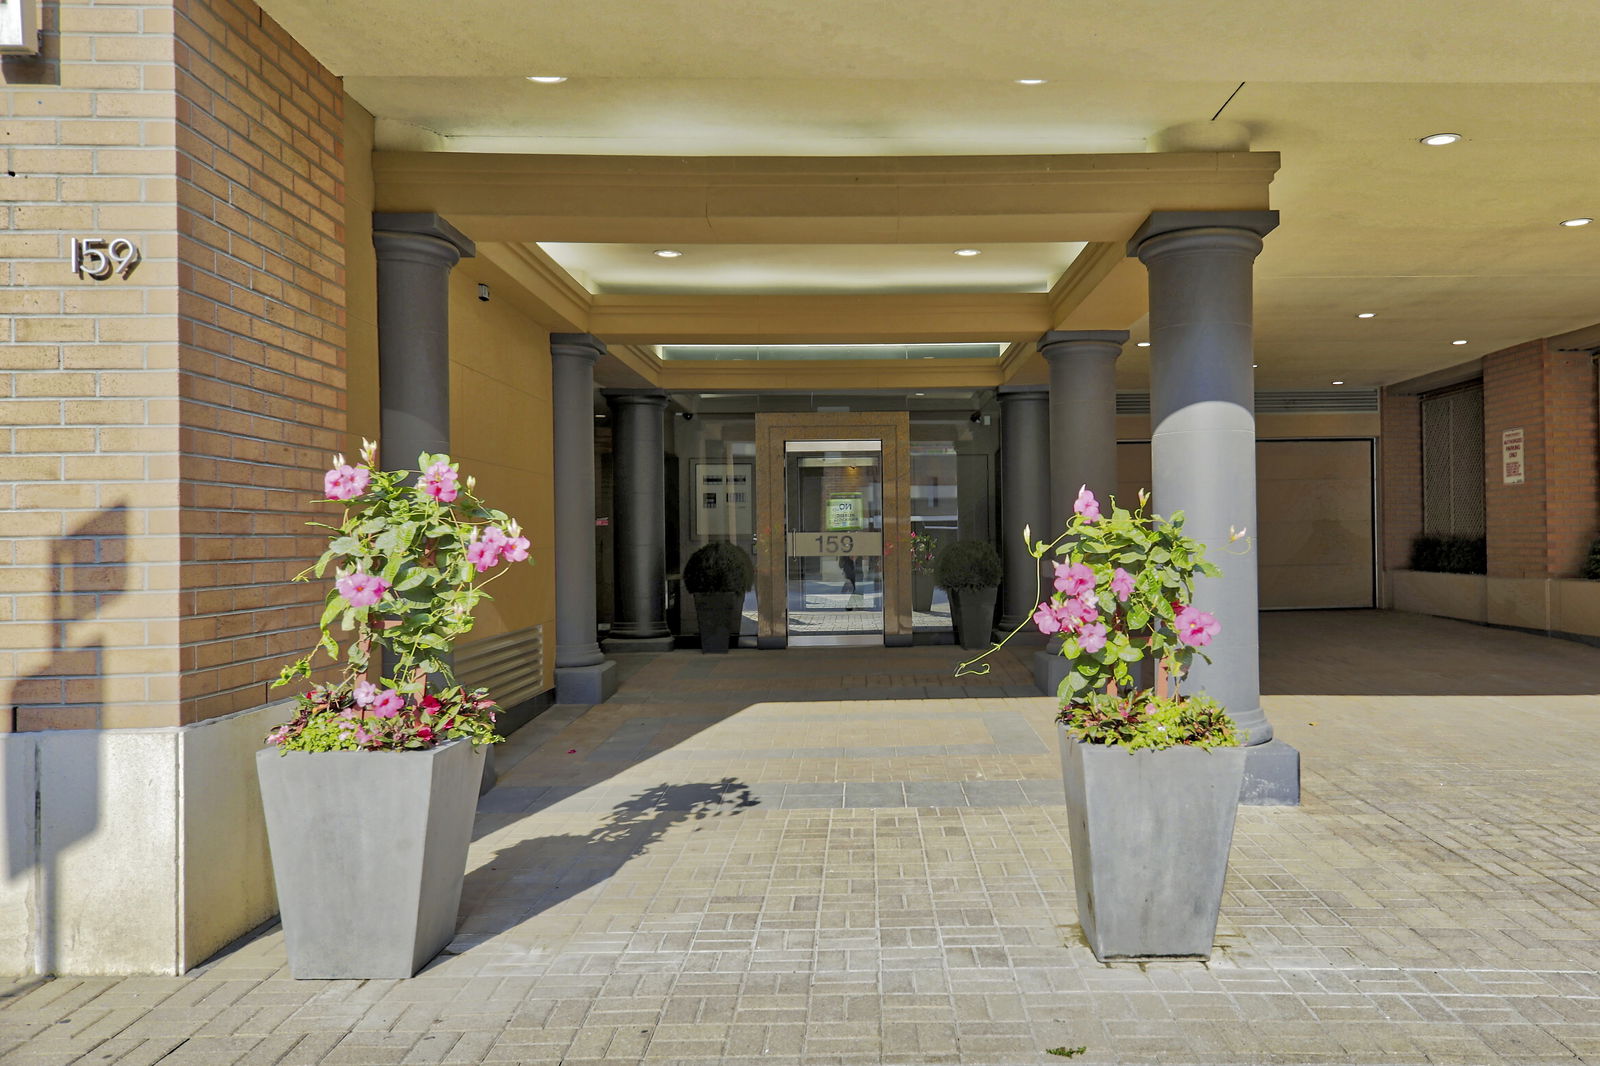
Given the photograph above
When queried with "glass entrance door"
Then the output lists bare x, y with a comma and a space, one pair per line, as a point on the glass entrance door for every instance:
834, 546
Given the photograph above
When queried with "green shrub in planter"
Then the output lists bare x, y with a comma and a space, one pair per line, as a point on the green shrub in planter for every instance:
970, 571
717, 576
1449, 555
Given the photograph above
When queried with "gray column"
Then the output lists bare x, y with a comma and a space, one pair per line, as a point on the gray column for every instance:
583, 673
1083, 415
638, 522
1203, 448
1024, 496
415, 253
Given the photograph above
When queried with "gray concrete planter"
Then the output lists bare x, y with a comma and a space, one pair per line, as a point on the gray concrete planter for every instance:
368, 851
972, 611
1150, 833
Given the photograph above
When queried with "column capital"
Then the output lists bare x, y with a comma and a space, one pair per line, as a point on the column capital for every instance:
1022, 392
422, 231
577, 345
1215, 223
635, 397
1059, 342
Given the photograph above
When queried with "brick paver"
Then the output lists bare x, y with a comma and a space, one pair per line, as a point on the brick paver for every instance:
846, 856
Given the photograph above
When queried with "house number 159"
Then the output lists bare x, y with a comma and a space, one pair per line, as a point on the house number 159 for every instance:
99, 258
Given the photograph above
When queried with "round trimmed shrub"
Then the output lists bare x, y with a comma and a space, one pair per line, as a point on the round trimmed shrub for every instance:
718, 567
968, 565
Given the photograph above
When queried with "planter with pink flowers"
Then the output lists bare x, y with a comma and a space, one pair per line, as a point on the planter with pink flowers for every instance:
370, 790
1152, 772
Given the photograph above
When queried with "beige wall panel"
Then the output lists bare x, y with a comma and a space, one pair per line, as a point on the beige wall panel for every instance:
361, 281
1518, 601
1463, 596
1575, 607
500, 425
1313, 519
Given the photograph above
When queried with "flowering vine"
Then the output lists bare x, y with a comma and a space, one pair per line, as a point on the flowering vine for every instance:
1122, 604
407, 560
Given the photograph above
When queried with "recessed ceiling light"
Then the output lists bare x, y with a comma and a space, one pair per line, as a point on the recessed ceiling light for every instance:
548, 79
968, 251
1338, 383
1142, 344
919, 394
1458, 342
1254, 365
1436, 139
1030, 81
1576, 221
667, 253
1366, 314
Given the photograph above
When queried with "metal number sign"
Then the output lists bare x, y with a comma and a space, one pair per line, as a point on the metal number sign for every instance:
817, 544
99, 258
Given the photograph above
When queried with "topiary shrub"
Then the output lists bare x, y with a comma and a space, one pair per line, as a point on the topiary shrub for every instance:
718, 567
968, 565
1591, 565
1450, 555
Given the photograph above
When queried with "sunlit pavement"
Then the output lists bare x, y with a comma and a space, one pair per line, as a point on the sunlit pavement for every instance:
848, 856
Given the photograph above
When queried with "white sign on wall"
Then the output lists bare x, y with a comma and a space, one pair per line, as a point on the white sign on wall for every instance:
1511, 461
724, 499
19, 27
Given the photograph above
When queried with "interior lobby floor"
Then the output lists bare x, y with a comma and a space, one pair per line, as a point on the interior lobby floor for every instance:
848, 856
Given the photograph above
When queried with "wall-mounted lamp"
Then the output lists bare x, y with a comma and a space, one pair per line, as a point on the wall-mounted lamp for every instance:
483, 293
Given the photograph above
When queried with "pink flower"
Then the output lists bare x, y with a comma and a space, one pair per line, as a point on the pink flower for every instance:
363, 738
424, 734
430, 704
1086, 505
1122, 584
1073, 578
439, 481
1045, 618
1195, 627
515, 549
362, 589
1091, 638
387, 704
483, 555
495, 536
364, 693
1077, 611
345, 482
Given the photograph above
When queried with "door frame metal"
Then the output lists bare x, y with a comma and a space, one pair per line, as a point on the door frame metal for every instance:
773, 431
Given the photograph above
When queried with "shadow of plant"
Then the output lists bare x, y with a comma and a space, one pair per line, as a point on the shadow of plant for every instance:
533, 875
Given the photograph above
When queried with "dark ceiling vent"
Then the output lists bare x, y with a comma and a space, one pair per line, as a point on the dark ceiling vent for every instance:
1280, 402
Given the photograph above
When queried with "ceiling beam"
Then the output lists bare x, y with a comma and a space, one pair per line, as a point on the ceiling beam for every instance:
545, 292
868, 200
839, 318
827, 376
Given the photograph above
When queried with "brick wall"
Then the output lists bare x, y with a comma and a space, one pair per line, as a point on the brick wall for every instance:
261, 306
1400, 477
88, 375
205, 134
1572, 491
1514, 515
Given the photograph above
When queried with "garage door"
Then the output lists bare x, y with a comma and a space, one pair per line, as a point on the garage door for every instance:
1314, 528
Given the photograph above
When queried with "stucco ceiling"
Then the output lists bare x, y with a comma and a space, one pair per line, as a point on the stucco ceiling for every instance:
1442, 244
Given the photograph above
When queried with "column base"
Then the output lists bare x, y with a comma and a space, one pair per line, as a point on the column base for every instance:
586, 685
632, 645
1271, 776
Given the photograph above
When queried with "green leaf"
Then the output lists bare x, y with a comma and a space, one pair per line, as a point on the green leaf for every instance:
331, 609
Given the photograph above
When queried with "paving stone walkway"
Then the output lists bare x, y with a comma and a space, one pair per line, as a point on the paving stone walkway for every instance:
846, 856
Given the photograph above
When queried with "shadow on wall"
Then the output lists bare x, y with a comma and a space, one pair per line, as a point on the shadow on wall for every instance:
51, 794
1391, 653
534, 875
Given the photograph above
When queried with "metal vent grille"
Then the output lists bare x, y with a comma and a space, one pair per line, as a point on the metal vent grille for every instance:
1452, 463
1280, 402
510, 666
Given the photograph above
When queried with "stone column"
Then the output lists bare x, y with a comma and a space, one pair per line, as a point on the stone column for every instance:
1203, 449
639, 519
415, 253
583, 673
1024, 495
1083, 415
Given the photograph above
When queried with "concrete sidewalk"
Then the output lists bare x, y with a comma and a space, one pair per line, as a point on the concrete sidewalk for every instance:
846, 856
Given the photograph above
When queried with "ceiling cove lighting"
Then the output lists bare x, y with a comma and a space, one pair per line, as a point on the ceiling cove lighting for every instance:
969, 252
667, 253
1437, 139
547, 79
1575, 222
1366, 314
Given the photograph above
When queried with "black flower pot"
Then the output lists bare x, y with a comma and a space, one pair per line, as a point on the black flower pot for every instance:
718, 613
